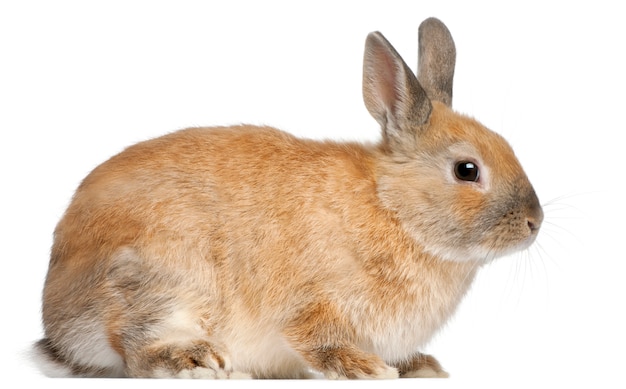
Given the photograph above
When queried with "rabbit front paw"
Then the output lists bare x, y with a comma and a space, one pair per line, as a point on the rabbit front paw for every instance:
421, 366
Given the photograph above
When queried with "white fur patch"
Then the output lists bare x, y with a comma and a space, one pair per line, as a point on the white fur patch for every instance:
89, 346
47, 366
85, 345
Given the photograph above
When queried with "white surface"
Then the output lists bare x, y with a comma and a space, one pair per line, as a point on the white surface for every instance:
79, 81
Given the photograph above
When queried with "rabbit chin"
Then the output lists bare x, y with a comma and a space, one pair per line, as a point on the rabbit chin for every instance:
481, 253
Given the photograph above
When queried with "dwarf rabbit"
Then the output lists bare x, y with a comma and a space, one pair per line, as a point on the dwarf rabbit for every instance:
246, 252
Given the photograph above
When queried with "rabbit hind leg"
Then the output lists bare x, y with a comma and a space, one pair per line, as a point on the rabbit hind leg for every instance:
177, 359
160, 322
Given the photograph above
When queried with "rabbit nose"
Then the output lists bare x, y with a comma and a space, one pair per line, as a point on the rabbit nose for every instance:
532, 224
534, 219
534, 213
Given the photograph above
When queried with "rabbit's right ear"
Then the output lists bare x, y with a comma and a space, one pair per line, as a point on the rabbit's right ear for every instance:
392, 94
437, 57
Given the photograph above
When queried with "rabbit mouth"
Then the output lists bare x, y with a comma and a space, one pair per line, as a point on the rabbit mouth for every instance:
513, 239
515, 231
505, 243
521, 245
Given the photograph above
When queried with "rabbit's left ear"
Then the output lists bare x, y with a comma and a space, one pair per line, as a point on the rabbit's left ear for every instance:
392, 94
437, 56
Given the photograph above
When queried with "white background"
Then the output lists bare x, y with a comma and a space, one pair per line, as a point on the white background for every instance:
81, 80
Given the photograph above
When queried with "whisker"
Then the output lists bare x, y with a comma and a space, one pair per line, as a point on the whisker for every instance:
473, 269
542, 253
551, 239
559, 199
527, 271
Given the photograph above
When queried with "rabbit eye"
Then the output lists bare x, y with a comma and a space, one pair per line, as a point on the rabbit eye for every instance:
466, 171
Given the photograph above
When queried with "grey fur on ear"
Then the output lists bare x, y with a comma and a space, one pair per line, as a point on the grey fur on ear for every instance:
391, 92
437, 57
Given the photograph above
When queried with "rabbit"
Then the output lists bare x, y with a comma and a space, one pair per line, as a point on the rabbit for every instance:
246, 252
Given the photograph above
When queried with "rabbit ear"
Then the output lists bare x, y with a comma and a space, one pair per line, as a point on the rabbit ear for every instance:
392, 94
437, 56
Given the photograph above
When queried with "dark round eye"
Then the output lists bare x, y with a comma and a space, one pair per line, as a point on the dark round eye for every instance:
466, 171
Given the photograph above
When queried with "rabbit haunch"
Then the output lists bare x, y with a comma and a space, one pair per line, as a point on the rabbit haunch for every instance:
244, 251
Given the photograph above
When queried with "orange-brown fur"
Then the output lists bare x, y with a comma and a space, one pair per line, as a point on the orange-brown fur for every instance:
229, 251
